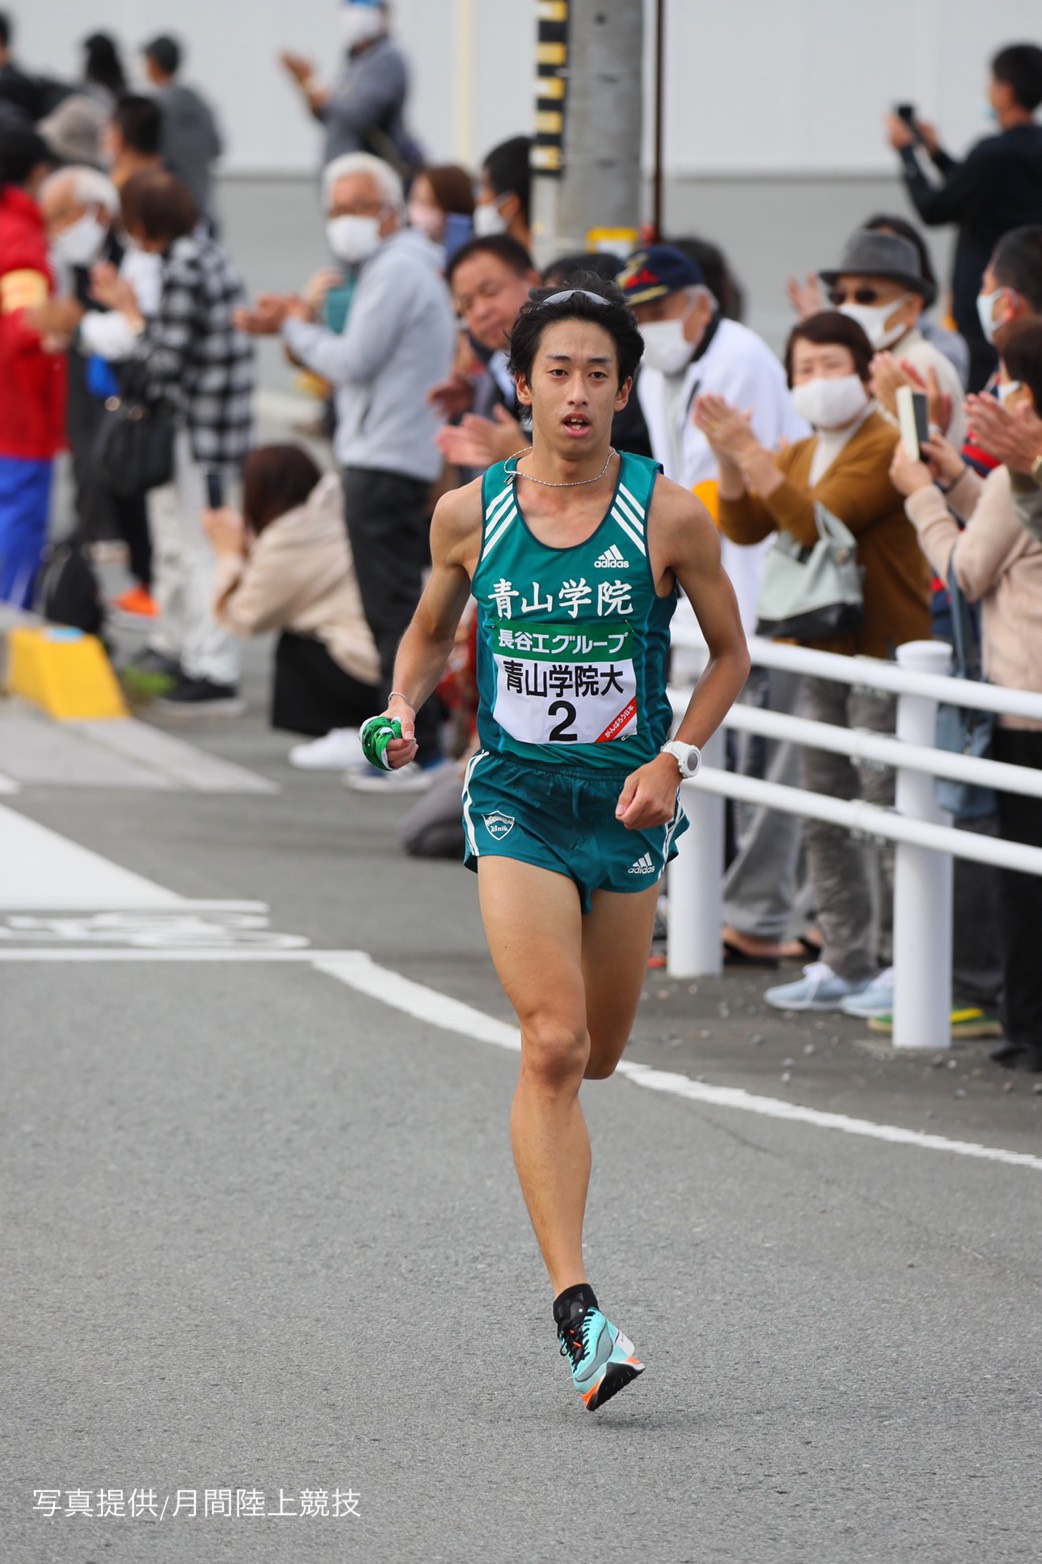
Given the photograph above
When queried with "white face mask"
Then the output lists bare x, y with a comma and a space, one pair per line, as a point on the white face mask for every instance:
986, 303
1005, 389
872, 319
353, 239
488, 220
430, 220
830, 402
665, 346
360, 24
80, 244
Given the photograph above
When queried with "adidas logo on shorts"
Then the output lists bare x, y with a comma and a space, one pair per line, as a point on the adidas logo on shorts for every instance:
612, 559
644, 865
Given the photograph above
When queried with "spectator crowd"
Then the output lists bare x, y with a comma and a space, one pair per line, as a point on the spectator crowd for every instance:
125, 326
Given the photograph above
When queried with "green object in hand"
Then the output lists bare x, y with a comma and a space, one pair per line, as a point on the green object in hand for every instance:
376, 733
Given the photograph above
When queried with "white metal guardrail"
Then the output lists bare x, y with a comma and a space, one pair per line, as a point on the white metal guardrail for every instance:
925, 841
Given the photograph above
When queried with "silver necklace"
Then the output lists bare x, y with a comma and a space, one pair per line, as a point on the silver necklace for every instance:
511, 473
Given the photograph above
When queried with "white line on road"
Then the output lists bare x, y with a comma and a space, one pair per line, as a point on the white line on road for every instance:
438, 1010
39, 868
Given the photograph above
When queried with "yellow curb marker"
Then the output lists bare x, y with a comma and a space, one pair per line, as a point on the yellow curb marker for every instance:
64, 672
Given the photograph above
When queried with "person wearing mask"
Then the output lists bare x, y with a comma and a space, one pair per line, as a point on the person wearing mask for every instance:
364, 109
505, 192
441, 205
998, 565
32, 380
397, 342
192, 356
104, 79
691, 349
190, 142
879, 283
997, 186
845, 466
284, 563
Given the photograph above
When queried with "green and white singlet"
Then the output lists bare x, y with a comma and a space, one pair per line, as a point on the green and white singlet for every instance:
572, 643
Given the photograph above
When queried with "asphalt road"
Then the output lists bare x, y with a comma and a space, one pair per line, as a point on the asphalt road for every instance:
263, 1239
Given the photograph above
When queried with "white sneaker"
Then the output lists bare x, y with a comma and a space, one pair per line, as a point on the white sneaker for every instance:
337, 750
407, 779
877, 999
818, 989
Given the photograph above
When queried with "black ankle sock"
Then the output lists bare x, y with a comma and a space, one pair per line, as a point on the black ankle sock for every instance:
573, 1301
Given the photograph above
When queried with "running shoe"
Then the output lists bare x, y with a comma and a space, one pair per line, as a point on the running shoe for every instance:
818, 989
602, 1358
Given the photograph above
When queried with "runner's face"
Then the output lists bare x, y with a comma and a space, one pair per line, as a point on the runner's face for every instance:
574, 392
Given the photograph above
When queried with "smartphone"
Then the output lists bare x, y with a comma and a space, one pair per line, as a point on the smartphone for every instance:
913, 415
906, 111
214, 490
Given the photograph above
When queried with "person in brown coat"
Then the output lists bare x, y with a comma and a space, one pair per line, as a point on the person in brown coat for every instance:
845, 466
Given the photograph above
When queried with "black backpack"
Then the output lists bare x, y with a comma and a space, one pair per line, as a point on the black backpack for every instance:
67, 591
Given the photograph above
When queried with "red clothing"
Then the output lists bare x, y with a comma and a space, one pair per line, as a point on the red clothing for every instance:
32, 382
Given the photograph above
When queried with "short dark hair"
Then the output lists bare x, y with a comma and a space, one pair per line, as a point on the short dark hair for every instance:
160, 204
165, 52
453, 187
1022, 356
596, 263
275, 479
139, 121
614, 316
1019, 66
883, 224
508, 169
832, 327
103, 65
6, 30
20, 152
1017, 264
510, 251
715, 268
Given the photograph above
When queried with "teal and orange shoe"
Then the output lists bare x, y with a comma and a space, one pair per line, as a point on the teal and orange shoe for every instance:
602, 1358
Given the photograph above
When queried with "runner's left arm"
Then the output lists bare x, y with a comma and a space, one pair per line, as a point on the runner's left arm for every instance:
685, 545
424, 649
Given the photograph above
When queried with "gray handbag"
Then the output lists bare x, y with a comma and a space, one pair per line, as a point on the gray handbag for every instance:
812, 594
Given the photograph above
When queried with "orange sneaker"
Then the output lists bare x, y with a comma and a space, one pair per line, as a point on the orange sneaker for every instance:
138, 602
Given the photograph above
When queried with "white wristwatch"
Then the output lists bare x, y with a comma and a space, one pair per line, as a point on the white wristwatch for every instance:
687, 756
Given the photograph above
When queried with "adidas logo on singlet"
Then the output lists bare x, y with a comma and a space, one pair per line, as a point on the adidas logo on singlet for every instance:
643, 865
612, 559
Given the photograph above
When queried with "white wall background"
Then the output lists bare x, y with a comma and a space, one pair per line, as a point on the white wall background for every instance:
752, 86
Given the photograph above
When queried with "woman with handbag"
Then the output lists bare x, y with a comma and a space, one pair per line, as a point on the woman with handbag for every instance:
192, 360
997, 563
840, 473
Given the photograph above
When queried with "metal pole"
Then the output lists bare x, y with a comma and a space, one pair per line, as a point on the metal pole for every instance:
696, 897
463, 96
660, 84
922, 879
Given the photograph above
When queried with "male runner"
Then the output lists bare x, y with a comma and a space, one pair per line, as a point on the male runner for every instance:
574, 555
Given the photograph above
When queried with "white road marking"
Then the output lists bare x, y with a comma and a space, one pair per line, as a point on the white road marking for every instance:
39, 868
231, 953
438, 1010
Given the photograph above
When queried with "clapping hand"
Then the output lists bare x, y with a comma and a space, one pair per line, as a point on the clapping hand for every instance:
806, 297
727, 430
264, 317
1012, 437
888, 375
111, 290
478, 442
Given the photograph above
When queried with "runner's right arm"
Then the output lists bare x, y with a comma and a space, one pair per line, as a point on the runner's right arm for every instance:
426, 645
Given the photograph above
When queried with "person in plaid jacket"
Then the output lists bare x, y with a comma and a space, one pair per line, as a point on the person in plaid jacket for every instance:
193, 357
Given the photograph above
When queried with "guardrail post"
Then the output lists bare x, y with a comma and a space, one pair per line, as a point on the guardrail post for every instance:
696, 895
922, 879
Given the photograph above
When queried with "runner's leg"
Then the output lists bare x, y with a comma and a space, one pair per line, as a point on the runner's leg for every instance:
616, 938
533, 924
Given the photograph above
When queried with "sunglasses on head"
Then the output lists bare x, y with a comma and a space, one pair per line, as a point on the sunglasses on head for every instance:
866, 295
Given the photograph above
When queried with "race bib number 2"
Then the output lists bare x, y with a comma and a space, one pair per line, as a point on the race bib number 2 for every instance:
564, 684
